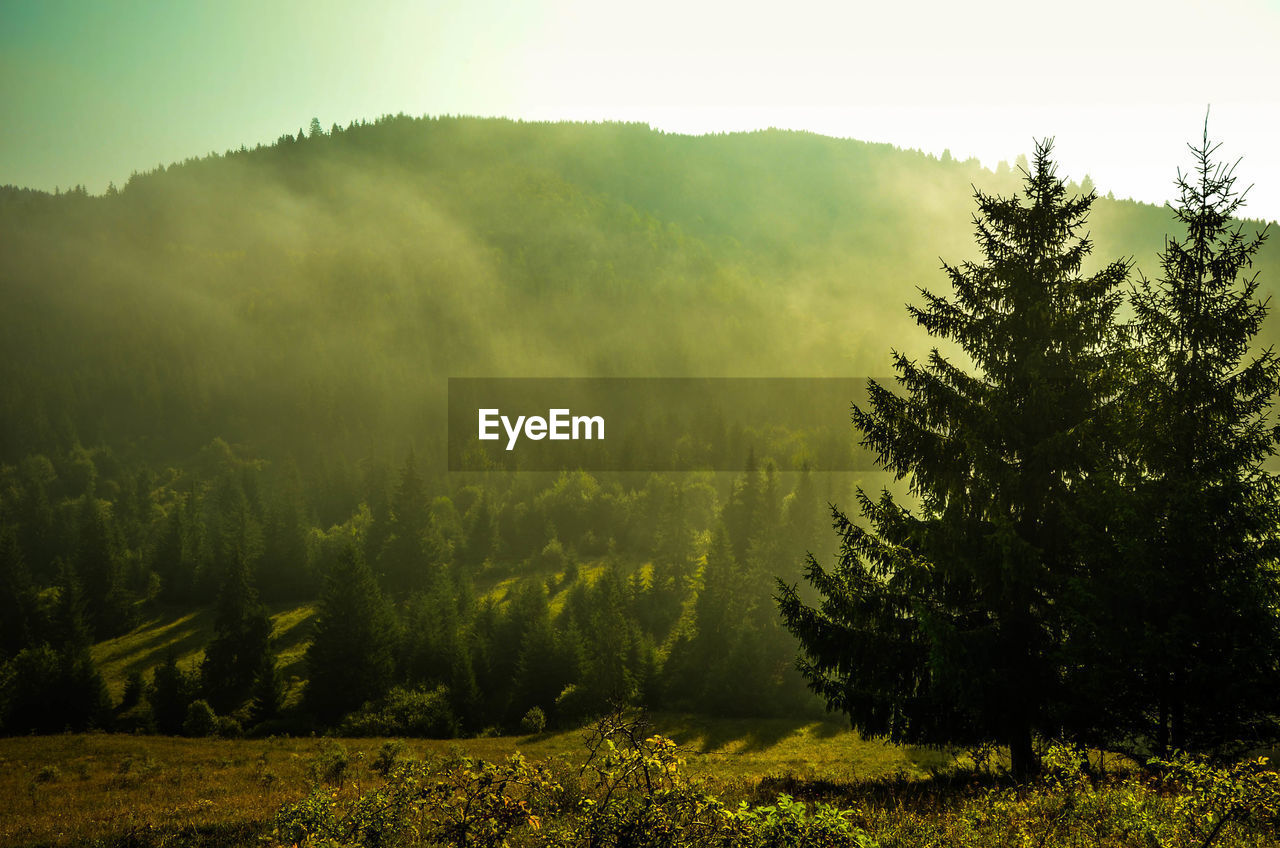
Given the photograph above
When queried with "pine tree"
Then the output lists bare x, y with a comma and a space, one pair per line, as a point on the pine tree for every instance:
741, 513
941, 624
1208, 595
19, 605
240, 645
170, 694
543, 669
169, 557
407, 561
68, 625
285, 569
98, 567
351, 658
267, 696
56, 685
608, 678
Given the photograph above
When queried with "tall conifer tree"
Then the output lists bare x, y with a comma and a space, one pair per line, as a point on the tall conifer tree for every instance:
1206, 579
352, 655
941, 623
240, 646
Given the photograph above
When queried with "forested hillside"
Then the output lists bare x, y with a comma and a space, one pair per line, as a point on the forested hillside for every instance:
223, 384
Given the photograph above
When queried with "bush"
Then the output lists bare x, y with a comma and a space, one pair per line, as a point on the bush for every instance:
553, 557
572, 705
228, 727
787, 823
405, 712
388, 756
329, 765
534, 721
200, 721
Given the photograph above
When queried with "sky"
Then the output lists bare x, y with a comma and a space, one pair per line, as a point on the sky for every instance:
91, 92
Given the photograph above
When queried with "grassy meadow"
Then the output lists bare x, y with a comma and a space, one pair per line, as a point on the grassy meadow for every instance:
76, 789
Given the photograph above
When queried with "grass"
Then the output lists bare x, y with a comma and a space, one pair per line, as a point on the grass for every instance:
151, 790
187, 632
118, 789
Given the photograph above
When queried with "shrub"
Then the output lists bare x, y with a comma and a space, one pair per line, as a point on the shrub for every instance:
200, 720
553, 557
573, 704
387, 757
788, 824
534, 721
330, 763
228, 727
633, 790
405, 712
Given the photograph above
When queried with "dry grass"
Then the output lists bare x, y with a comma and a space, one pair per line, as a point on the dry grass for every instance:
153, 790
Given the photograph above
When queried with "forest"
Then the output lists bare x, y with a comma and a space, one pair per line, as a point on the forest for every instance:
223, 397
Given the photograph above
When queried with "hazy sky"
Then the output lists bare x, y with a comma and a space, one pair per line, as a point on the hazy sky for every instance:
90, 92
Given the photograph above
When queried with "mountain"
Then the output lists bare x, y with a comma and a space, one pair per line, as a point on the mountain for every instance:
309, 298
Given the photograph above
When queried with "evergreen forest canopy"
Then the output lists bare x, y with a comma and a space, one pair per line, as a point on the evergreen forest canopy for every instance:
223, 385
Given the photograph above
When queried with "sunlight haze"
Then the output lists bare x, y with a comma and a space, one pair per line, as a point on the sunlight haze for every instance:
92, 93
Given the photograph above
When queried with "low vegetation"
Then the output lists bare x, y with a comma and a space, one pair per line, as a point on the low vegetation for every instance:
621, 781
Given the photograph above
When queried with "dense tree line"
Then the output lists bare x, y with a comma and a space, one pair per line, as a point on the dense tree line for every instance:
456, 608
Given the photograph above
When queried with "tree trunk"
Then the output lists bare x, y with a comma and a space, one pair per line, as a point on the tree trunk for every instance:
1022, 755
1162, 730
1177, 731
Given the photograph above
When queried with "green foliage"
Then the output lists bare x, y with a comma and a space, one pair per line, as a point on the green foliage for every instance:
195, 455
351, 658
388, 757
534, 721
43, 690
200, 720
330, 764
946, 624
788, 824
405, 712
239, 652
1198, 651
268, 693
19, 609
322, 793
134, 688
1210, 798
171, 694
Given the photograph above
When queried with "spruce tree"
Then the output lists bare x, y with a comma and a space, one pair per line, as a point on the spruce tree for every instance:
240, 646
56, 685
940, 622
352, 654
170, 695
407, 560
268, 693
1205, 613
720, 613
97, 564
19, 602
